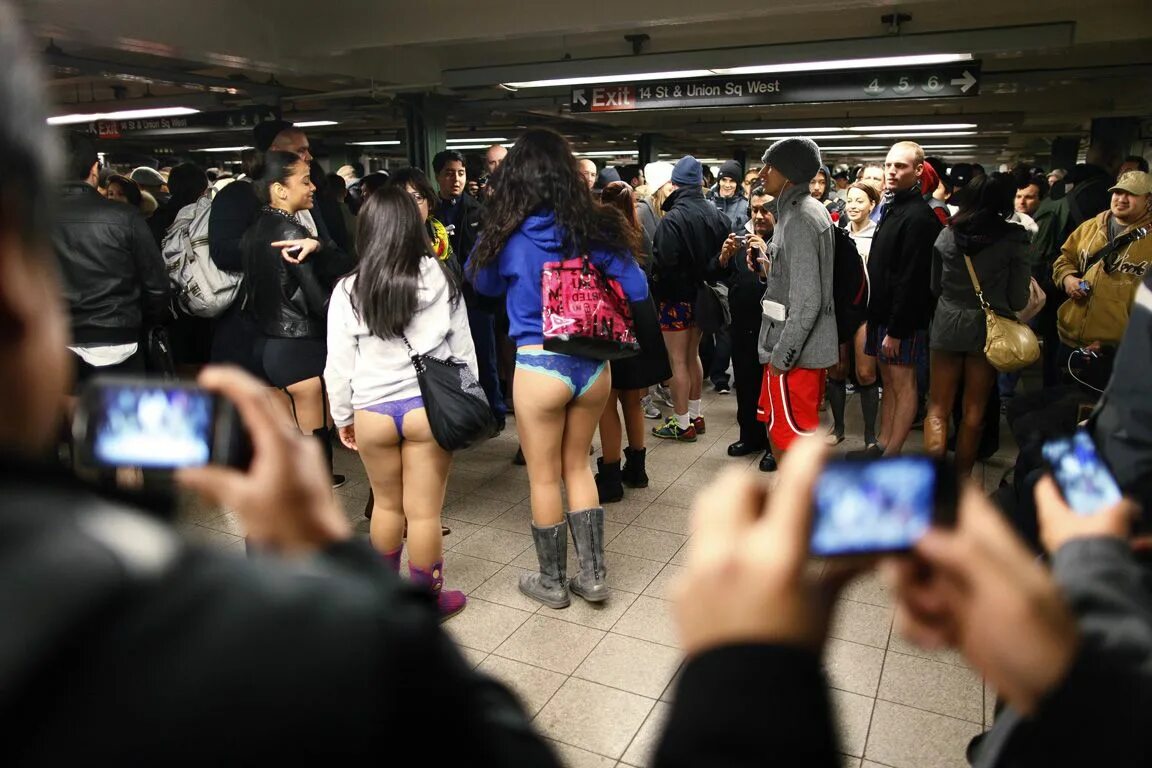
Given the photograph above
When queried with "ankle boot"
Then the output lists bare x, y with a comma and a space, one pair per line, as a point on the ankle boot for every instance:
608, 481
324, 435
550, 585
936, 435
633, 474
588, 537
393, 558
450, 602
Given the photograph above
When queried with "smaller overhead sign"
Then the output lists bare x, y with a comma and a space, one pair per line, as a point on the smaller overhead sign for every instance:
941, 81
201, 122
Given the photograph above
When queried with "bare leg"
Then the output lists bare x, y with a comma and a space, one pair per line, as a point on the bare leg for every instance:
887, 405
679, 344
610, 434
379, 446
579, 427
903, 379
695, 367
426, 467
308, 404
633, 416
541, 402
945, 370
979, 378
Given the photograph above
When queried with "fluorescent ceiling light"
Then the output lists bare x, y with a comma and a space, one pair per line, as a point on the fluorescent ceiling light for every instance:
477, 141
839, 64
799, 131
129, 114
476, 146
222, 149
937, 127
613, 153
315, 123
861, 148
950, 146
818, 139
388, 143
920, 135
685, 73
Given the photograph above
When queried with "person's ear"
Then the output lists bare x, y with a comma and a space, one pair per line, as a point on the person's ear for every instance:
94, 174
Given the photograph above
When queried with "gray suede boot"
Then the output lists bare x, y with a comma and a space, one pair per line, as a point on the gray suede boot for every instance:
588, 538
550, 585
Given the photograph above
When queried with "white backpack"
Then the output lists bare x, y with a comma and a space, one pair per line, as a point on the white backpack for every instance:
202, 288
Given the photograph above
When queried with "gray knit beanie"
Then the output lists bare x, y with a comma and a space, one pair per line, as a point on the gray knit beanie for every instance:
797, 158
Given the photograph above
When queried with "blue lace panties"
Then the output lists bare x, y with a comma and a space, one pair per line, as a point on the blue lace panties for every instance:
397, 409
579, 373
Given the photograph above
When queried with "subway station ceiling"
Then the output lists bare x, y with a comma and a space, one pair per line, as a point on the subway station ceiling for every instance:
1042, 69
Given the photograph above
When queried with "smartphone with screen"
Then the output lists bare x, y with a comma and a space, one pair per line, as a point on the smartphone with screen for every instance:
1083, 477
156, 425
877, 506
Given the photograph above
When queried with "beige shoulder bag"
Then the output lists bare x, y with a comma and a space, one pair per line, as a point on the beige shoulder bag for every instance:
1010, 345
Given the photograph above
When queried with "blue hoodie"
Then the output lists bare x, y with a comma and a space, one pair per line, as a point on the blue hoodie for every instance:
517, 273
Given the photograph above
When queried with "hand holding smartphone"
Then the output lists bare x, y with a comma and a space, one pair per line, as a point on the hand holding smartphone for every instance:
1083, 477
880, 506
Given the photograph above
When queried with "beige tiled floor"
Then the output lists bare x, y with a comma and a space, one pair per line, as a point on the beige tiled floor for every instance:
598, 678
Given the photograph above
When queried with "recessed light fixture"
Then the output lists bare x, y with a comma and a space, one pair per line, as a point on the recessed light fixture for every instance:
315, 123
222, 149
612, 153
128, 114
936, 127
869, 129
475, 146
382, 143
759, 69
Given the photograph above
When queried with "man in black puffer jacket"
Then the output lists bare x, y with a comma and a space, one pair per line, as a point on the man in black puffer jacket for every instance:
115, 282
687, 241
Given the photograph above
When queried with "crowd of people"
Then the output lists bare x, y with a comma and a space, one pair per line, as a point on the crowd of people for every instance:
113, 619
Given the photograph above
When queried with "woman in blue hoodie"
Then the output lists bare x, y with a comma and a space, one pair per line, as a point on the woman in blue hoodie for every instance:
540, 211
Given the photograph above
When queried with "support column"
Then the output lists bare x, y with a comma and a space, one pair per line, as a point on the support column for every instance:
646, 149
426, 121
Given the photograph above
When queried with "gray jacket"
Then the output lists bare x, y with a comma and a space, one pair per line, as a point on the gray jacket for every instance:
800, 278
1098, 715
1003, 270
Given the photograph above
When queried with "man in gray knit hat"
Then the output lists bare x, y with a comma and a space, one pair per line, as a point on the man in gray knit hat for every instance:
798, 330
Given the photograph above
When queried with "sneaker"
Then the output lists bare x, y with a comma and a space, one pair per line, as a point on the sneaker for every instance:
722, 389
832, 438
338, 480
662, 394
698, 424
849, 388
670, 430
651, 411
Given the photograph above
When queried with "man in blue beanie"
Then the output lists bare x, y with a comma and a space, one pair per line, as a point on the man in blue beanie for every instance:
684, 251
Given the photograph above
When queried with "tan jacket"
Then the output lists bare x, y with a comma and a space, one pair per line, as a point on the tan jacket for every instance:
1103, 315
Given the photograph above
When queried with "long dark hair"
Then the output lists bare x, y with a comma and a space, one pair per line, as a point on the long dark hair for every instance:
274, 168
541, 174
985, 205
619, 195
392, 241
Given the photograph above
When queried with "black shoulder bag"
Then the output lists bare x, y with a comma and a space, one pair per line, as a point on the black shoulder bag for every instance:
457, 408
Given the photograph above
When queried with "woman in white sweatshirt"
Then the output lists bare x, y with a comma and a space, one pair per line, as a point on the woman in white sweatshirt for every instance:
399, 291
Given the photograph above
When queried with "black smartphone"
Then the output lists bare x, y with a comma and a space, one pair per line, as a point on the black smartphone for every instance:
874, 506
156, 425
1083, 477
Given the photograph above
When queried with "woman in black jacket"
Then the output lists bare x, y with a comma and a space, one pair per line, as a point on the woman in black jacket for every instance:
998, 250
286, 294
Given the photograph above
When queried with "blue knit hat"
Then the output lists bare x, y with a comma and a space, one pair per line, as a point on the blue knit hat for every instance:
687, 172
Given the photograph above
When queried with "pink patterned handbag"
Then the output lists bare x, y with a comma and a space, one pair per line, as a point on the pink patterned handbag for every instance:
585, 313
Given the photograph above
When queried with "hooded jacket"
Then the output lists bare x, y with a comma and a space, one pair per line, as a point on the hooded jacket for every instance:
687, 240
734, 208
518, 273
999, 253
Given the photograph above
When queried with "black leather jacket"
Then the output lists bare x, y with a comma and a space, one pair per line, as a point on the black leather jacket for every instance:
287, 300
114, 277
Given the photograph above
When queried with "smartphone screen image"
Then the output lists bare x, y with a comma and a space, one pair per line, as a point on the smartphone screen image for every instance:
1083, 478
152, 426
865, 507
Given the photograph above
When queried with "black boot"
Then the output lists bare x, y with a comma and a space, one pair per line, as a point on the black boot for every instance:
633, 474
588, 538
550, 585
324, 435
608, 481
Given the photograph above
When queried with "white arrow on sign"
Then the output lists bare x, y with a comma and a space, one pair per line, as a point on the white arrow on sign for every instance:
965, 82
578, 97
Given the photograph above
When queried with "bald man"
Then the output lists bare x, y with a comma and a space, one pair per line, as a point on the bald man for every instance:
588, 170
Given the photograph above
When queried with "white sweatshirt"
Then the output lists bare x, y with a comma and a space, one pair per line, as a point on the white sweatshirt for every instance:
363, 369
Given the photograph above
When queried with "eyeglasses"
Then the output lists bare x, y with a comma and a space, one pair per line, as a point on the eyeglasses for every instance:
419, 198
